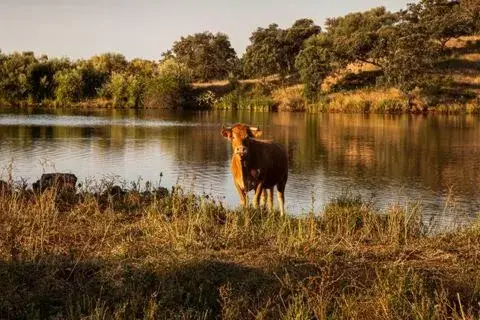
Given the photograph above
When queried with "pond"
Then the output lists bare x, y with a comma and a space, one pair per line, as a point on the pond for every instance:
430, 160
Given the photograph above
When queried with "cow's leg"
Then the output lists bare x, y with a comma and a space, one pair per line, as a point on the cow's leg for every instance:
263, 198
281, 196
242, 194
270, 199
258, 193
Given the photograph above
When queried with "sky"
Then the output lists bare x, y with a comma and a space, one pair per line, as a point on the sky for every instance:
146, 28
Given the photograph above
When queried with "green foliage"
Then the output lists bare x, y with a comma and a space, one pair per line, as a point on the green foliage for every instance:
144, 68
92, 80
313, 64
243, 98
403, 46
471, 8
273, 50
206, 99
355, 36
69, 85
406, 56
441, 20
295, 36
41, 84
125, 90
402, 50
209, 56
14, 72
264, 56
117, 89
109, 63
170, 88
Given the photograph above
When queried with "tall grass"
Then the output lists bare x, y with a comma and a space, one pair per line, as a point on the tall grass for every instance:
246, 98
148, 255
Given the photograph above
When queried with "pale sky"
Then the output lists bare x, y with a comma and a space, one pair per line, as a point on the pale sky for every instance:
146, 28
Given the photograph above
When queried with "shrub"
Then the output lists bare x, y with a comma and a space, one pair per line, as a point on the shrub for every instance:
125, 90
166, 91
206, 99
170, 88
69, 85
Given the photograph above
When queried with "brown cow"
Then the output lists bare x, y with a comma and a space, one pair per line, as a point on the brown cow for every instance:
257, 165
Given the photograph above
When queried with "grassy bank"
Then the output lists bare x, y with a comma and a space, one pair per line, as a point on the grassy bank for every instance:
453, 89
129, 255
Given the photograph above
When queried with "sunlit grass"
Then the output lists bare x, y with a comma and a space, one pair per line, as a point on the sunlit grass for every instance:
145, 254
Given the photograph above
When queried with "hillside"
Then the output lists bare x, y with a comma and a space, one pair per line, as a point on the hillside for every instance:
454, 88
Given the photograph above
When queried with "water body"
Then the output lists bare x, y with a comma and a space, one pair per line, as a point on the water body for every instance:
433, 160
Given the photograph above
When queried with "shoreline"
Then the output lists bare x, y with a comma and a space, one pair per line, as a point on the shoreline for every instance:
334, 108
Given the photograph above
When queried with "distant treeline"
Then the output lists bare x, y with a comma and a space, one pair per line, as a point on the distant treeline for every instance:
402, 45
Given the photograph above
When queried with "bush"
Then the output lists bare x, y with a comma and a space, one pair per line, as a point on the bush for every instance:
170, 88
206, 99
125, 90
290, 99
69, 85
240, 99
117, 89
93, 81
166, 91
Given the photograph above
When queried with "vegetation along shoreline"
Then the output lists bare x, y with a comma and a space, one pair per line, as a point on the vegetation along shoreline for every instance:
424, 58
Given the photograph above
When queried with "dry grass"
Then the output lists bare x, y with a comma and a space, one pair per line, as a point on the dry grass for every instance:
368, 100
135, 255
462, 42
352, 68
221, 83
455, 88
290, 98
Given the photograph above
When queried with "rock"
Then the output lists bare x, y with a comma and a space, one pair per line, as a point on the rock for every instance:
115, 191
161, 192
62, 181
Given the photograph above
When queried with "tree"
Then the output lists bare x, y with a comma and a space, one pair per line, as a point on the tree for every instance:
295, 36
144, 68
266, 54
406, 55
93, 78
209, 56
171, 87
472, 10
68, 85
442, 20
126, 90
401, 49
273, 50
14, 71
353, 38
41, 84
314, 64
109, 63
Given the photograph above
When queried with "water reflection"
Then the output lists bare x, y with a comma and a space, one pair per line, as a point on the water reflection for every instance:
389, 157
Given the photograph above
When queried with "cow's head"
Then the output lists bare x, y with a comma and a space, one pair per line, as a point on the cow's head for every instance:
241, 135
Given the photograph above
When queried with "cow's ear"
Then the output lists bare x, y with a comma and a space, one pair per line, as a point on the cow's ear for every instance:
227, 133
256, 132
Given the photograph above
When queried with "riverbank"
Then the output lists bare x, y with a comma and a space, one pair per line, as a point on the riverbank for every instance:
112, 253
453, 89
289, 99
256, 96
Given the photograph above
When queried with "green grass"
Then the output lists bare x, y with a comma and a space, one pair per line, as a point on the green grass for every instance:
244, 101
182, 256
